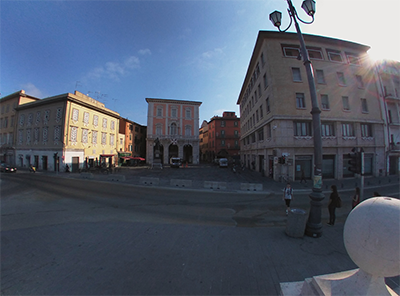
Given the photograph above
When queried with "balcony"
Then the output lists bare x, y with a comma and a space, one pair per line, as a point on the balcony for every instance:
394, 147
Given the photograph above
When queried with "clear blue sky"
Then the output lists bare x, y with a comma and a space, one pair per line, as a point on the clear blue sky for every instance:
124, 51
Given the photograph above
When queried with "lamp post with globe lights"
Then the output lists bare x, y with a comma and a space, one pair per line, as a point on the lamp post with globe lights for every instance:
314, 226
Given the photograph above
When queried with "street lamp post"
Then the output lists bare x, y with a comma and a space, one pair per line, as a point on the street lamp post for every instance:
314, 226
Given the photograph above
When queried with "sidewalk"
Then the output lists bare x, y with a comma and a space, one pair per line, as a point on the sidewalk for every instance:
199, 174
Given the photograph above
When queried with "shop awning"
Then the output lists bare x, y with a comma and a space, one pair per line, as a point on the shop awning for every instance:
107, 155
138, 158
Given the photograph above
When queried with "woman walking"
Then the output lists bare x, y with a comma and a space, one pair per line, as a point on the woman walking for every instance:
334, 201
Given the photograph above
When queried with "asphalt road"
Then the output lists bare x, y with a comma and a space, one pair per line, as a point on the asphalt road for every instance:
62, 236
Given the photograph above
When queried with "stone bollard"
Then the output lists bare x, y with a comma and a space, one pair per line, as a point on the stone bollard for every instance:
371, 237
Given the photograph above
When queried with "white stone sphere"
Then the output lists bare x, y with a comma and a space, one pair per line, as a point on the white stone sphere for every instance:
372, 236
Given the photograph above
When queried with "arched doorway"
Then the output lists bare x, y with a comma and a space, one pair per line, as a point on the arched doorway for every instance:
173, 151
188, 153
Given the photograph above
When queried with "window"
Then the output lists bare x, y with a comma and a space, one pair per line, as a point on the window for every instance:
296, 74
85, 135
103, 138
353, 59
320, 76
291, 52
21, 120
346, 105
267, 104
159, 111
30, 119
112, 125
269, 131
366, 130
173, 129
86, 118
347, 130
222, 123
188, 114
261, 134
94, 137
236, 133
75, 114
300, 101
222, 134
341, 78
173, 112
95, 120
302, 129
259, 90
261, 111
104, 123
334, 56
327, 129
315, 54
265, 81
188, 130
257, 115
360, 82
158, 129
74, 134
325, 102
262, 60
38, 116
364, 105
235, 124
112, 137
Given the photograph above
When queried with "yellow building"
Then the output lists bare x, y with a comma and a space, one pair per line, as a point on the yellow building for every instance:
68, 129
8, 123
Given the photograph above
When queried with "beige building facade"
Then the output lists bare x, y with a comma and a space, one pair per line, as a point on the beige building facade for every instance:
174, 125
275, 107
388, 73
68, 129
8, 123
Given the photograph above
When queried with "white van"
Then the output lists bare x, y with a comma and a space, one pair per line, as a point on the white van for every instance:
223, 162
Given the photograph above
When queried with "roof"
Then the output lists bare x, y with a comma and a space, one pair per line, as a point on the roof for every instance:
174, 101
20, 93
78, 99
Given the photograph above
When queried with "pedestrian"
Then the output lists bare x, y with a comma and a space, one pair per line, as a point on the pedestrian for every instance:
303, 177
288, 196
334, 202
356, 198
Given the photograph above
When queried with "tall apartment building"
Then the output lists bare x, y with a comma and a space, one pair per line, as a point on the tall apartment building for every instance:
275, 107
203, 137
8, 123
71, 129
175, 124
389, 91
135, 137
223, 136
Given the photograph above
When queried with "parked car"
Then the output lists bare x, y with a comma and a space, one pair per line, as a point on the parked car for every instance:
6, 168
175, 162
223, 163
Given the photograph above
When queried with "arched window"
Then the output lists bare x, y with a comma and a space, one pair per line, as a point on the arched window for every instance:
173, 130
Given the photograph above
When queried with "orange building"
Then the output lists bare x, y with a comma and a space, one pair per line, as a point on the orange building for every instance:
174, 124
135, 137
223, 137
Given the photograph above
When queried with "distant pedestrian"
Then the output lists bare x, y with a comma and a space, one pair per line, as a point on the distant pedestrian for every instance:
356, 198
334, 202
288, 196
303, 177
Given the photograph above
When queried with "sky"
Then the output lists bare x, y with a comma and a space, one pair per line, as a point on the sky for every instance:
122, 52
